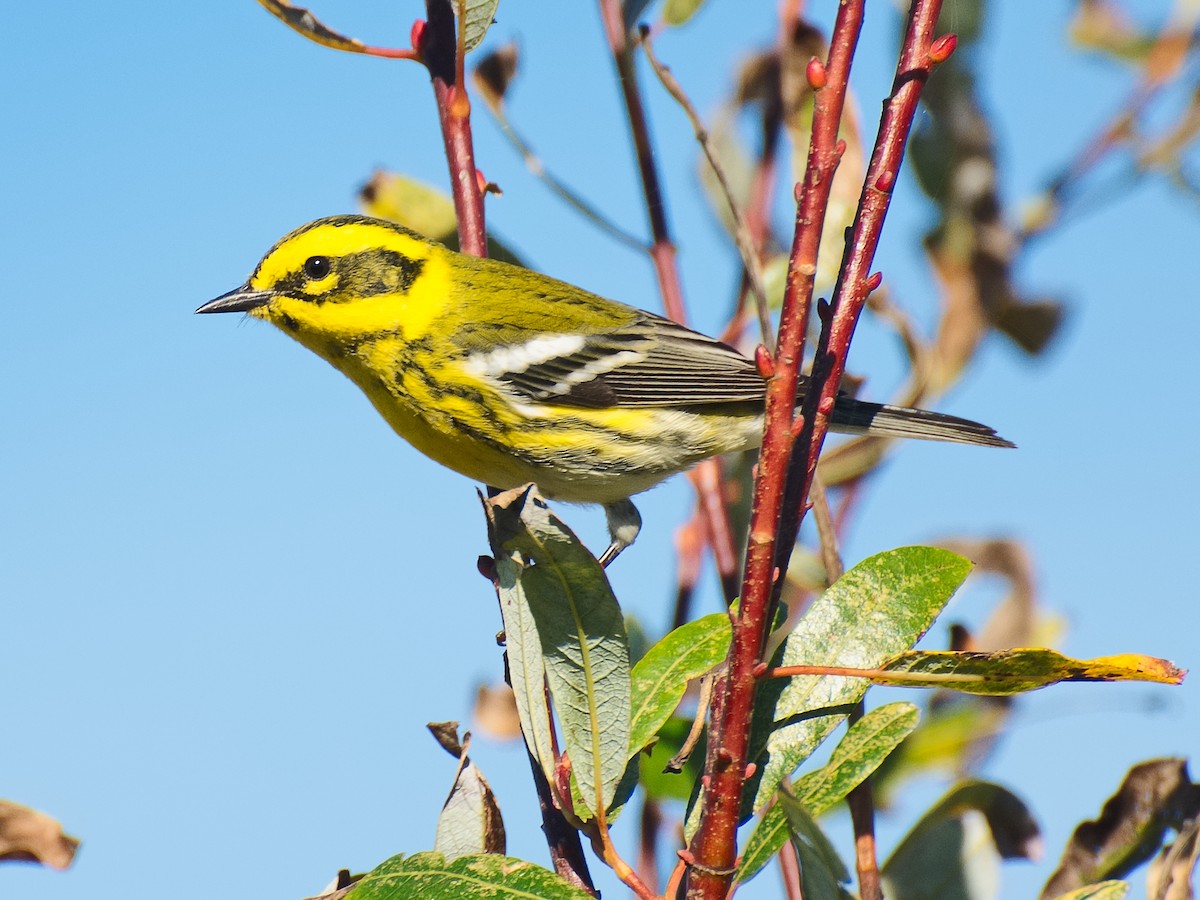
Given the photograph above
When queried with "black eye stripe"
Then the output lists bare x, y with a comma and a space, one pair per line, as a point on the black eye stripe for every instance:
317, 267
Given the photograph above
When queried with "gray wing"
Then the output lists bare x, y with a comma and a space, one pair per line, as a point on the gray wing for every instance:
651, 362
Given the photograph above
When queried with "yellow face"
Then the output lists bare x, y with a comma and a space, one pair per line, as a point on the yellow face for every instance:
341, 279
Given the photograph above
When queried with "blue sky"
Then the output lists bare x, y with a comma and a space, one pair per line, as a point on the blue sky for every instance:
233, 598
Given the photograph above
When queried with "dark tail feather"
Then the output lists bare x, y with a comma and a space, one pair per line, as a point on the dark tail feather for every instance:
860, 417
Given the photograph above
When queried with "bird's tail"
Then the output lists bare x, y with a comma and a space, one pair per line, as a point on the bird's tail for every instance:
860, 417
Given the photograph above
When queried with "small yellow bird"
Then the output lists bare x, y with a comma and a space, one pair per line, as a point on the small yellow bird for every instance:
508, 376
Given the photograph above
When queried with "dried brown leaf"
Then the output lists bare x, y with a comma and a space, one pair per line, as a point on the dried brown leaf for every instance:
1170, 874
27, 835
1154, 796
494, 73
496, 713
340, 887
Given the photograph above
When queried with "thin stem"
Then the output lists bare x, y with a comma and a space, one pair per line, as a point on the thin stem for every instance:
622, 869
831, 554
888, 676
662, 253
1164, 62
558, 187
676, 878
663, 250
742, 235
562, 839
649, 827
789, 869
718, 532
689, 550
862, 813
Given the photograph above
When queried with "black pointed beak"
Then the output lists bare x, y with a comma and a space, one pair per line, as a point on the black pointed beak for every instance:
241, 299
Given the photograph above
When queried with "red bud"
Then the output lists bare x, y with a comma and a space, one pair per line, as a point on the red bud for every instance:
764, 361
417, 34
874, 282
942, 48
816, 74
886, 181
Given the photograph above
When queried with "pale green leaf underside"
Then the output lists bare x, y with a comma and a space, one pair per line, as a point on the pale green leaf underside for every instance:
582, 635
477, 19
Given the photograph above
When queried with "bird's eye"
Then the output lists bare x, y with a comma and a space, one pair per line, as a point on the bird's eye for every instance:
316, 267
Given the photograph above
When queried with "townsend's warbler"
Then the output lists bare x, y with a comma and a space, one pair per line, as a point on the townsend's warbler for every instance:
508, 376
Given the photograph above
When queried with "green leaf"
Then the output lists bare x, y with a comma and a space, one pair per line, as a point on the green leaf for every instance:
491, 876
1006, 672
865, 746
821, 869
879, 608
663, 785
955, 848
1105, 890
662, 675
952, 734
952, 859
677, 12
477, 16
767, 839
581, 631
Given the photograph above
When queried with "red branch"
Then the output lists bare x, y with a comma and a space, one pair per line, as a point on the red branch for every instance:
439, 48
784, 477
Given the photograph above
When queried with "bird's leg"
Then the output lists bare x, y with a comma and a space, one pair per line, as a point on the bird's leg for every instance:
624, 523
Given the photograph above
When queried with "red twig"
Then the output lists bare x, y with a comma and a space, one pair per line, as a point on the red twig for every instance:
439, 47
783, 481
714, 844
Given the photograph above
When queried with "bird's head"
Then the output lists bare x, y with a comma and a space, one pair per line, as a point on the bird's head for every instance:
341, 278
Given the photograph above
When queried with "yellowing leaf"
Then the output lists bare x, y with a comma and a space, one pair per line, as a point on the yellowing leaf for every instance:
1016, 671
421, 207
303, 21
